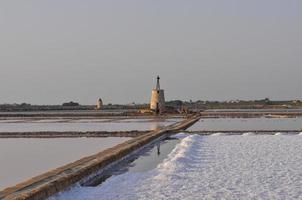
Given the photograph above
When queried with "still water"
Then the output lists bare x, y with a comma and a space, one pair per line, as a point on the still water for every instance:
84, 125
21, 159
225, 124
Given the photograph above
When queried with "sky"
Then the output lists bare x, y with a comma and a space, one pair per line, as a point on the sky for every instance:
53, 51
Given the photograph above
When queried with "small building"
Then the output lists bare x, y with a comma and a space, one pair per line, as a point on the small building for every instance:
157, 103
145, 111
99, 104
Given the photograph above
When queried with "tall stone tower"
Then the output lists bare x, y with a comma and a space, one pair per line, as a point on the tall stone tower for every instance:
158, 99
99, 104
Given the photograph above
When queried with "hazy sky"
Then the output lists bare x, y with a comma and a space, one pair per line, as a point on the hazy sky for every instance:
53, 51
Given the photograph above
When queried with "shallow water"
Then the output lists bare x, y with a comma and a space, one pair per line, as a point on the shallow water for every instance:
225, 124
141, 161
21, 159
205, 167
85, 125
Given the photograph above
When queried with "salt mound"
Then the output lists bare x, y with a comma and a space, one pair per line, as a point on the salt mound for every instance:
210, 168
280, 133
300, 133
218, 134
180, 135
248, 133
179, 157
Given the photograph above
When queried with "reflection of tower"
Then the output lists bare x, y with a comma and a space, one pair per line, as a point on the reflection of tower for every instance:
157, 99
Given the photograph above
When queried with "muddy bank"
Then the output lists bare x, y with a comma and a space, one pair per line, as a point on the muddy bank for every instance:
81, 114
250, 114
72, 134
239, 132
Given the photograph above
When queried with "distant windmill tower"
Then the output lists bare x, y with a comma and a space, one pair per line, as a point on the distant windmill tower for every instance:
99, 104
157, 99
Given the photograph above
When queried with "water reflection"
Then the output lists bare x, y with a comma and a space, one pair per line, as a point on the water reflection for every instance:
225, 124
21, 159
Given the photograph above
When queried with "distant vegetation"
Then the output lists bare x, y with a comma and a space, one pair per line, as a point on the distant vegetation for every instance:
71, 103
28, 107
174, 104
236, 104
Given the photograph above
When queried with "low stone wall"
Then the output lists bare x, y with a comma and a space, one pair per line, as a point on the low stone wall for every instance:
52, 182
247, 114
239, 132
71, 134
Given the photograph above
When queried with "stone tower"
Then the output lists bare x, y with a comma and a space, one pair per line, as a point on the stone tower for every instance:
158, 99
99, 104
